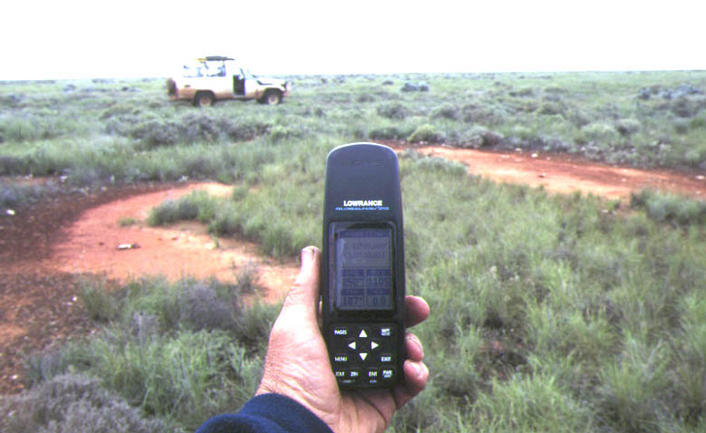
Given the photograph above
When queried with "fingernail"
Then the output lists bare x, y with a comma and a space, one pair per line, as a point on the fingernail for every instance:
416, 370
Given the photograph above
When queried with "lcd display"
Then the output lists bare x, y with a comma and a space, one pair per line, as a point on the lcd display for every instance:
364, 269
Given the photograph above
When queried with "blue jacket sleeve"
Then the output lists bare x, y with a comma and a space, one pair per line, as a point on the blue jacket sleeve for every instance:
267, 413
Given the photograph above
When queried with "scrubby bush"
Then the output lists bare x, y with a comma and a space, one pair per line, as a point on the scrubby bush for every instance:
196, 205
551, 108
447, 111
193, 128
43, 124
155, 133
395, 111
13, 194
664, 207
73, 403
698, 122
391, 132
484, 114
479, 136
175, 350
426, 134
201, 307
415, 87
599, 132
627, 127
101, 305
11, 165
687, 107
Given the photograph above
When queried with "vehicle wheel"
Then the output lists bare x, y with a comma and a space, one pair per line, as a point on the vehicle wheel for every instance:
271, 97
204, 99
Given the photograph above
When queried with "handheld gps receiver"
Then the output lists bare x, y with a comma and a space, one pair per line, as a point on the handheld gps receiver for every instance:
362, 272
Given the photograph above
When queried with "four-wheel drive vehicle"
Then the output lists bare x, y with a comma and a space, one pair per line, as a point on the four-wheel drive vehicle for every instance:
216, 77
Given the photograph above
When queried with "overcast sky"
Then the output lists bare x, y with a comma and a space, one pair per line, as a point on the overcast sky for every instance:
89, 39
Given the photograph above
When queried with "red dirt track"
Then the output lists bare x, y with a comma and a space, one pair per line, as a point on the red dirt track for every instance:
46, 248
564, 174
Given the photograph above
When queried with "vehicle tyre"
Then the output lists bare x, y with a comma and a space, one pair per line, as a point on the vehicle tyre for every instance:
271, 97
204, 99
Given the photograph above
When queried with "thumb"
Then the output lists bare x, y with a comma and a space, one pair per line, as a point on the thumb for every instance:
304, 295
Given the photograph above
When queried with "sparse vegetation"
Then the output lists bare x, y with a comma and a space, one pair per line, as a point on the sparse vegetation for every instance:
670, 208
169, 351
549, 313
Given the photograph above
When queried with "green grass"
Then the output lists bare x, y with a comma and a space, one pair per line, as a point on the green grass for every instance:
665, 207
175, 351
135, 134
549, 313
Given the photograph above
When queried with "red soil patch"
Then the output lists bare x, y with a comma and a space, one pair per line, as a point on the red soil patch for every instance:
46, 249
564, 174
182, 250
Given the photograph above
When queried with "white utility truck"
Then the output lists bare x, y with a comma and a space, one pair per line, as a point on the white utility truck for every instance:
213, 78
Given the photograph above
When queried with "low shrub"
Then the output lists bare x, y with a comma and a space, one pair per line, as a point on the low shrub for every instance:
479, 136
551, 108
13, 194
396, 111
201, 307
198, 205
426, 134
11, 165
600, 132
73, 403
177, 351
101, 305
447, 111
391, 132
665, 207
194, 128
627, 127
484, 114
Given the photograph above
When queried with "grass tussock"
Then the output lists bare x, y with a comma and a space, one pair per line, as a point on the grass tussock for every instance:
670, 208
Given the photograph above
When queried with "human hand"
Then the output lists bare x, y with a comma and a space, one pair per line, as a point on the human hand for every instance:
297, 363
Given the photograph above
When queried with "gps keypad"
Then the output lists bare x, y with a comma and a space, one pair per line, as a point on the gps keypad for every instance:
363, 354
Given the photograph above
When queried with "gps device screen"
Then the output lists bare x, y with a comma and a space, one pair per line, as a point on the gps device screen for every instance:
363, 271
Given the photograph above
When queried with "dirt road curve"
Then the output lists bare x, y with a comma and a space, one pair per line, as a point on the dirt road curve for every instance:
563, 174
182, 250
45, 249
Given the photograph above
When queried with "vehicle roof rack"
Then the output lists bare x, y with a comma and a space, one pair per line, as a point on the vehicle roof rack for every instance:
216, 58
